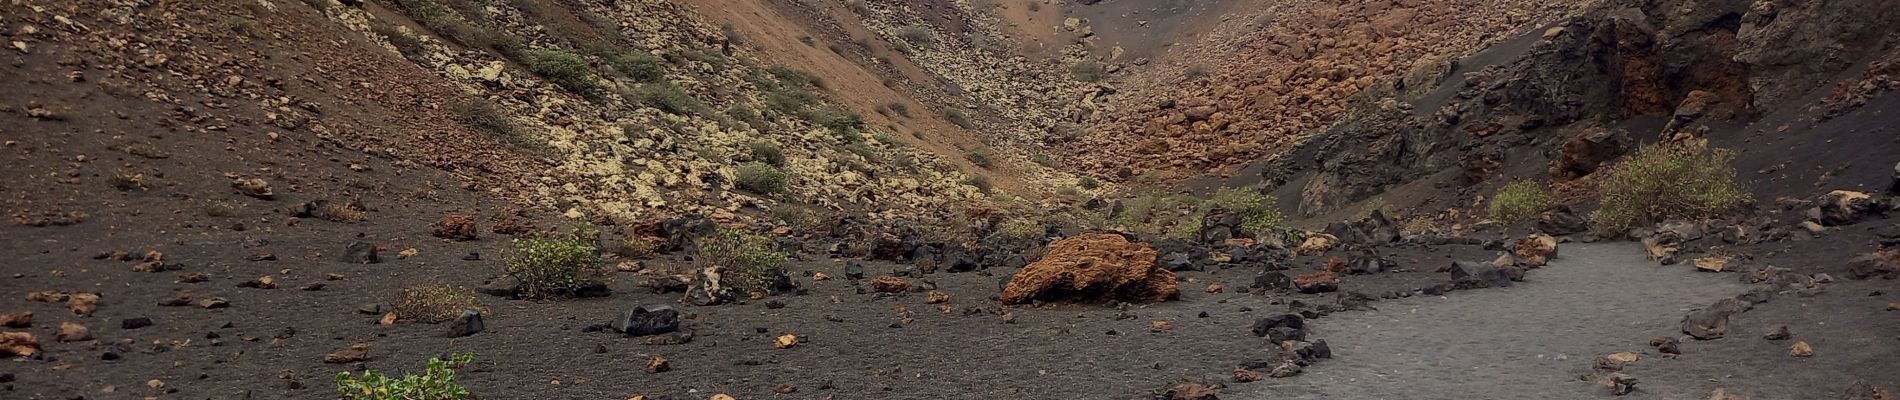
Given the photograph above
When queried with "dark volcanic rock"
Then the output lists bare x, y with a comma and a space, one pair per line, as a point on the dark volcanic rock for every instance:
1273, 280
135, 323
1281, 327
647, 320
1479, 275
469, 323
361, 253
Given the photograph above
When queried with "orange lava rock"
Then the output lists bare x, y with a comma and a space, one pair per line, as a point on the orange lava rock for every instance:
356, 352
1214, 287
1159, 326
937, 297
890, 284
1093, 267
17, 319
1535, 250
1244, 375
658, 364
1317, 282
21, 344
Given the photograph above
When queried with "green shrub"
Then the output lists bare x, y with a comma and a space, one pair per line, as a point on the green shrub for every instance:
556, 265
762, 178
1667, 181
1518, 201
1021, 228
1256, 210
753, 258
436, 383
566, 69
1043, 159
789, 76
789, 100
900, 108
1088, 71
746, 114
767, 152
668, 97
981, 157
887, 139
640, 67
1188, 229
1088, 182
435, 303
980, 182
842, 122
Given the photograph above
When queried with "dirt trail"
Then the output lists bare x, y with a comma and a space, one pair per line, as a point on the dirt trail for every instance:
1528, 341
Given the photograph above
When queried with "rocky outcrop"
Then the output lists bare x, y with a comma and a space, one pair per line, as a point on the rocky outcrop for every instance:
1093, 267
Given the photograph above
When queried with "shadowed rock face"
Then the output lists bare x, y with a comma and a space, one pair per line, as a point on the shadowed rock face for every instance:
1093, 267
1691, 63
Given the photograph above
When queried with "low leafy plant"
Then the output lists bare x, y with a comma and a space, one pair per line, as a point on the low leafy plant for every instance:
565, 69
1020, 228
958, 118
981, 157
761, 178
753, 258
918, 35
435, 303
1256, 210
1667, 181
1518, 201
640, 67
485, 117
1088, 182
669, 98
556, 265
767, 152
436, 383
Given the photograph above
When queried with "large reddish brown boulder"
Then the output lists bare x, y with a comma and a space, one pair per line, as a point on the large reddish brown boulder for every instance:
1093, 267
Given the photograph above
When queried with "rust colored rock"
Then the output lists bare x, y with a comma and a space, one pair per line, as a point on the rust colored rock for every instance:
457, 227
890, 284
1317, 282
1536, 250
1093, 267
19, 344
17, 319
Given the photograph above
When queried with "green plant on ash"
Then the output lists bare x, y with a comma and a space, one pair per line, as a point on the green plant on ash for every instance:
753, 258
761, 178
436, 383
568, 70
1518, 201
1667, 181
436, 303
556, 265
1256, 210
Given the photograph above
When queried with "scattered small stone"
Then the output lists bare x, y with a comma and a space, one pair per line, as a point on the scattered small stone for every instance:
467, 324
785, 388
194, 277
17, 319
1244, 375
262, 282
658, 364
890, 284
1801, 349
937, 297
214, 302
1780, 333
1160, 326
1620, 383
785, 342
135, 323
356, 352
73, 332
20, 344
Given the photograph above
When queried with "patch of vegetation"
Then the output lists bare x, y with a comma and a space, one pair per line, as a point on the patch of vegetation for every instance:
767, 152
796, 217
1256, 210
1376, 204
858, 7
761, 178
1518, 201
485, 117
405, 43
443, 21
1088, 71
634, 246
340, 211
981, 157
957, 117
551, 266
1088, 182
745, 113
903, 48
437, 382
222, 208
842, 122
1021, 228
980, 182
918, 35
863, 150
244, 26
436, 303
1187, 230
641, 67
900, 108
668, 97
753, 258
1042, 159
709, 57
887, 139
1667, 181
568, 70
808, 41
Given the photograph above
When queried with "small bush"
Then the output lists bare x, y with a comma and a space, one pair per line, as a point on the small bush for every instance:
128, 180
1088, 71
1088, 182
840, 121
1187, 230
900, 108
767, 152
1518, 201
566, 69
887, 139
668, 97
1667, 181
753, 258
744, 113
858, 7
340, 211
762, 178
436, 383
640, 67
484, 117
435, 303
980, 182
1043, 160
556, 265
981, 157
789, 100
1021, 228
1256, 210
244, 26
634, 246
917, 35
222, 208
957, 117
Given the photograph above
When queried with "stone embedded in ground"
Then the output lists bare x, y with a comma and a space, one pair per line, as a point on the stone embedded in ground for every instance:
469, 323
1317, 244
72, 332
1369, 264
890, 284
1801, 349
710, 288
1780, 333
17, 319
262, 282
785, 342
1560, 220
1712, 322
1882, 264
361, 253
1193, 391
1093, 267
21, 344
853, 270
1160, 326
1713, 263
1846, 207
1272, 281
1669, 346
1285, 370
937, 297
647, 320
253, 187
1244, 375
1619, 383
1623, 357
457, 227
356, 352
135, 323
83, 303
658, 364
1317, 282
1281, 327
1466, 275
1535, 250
